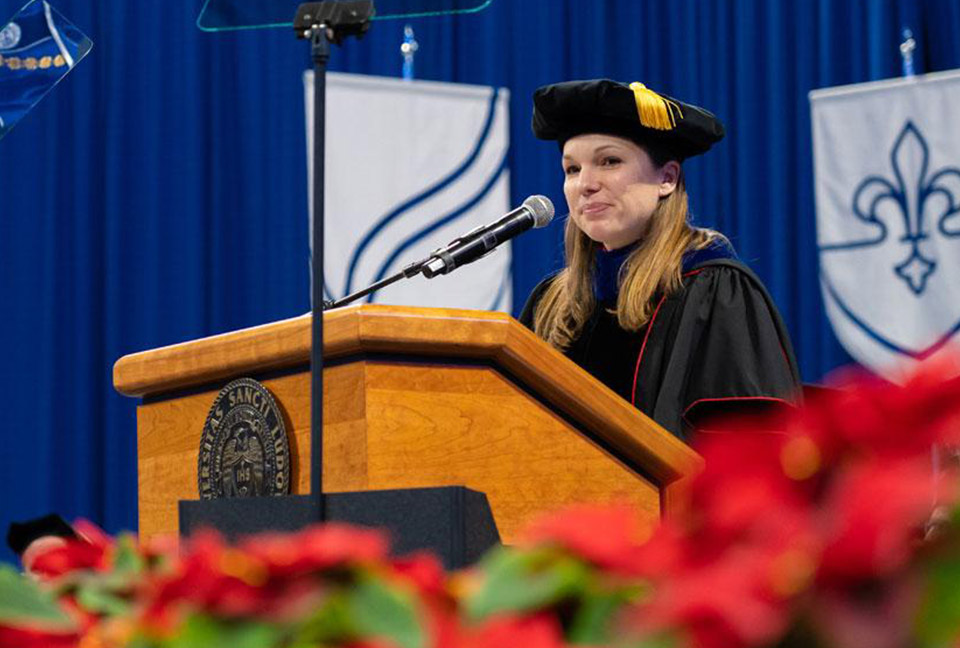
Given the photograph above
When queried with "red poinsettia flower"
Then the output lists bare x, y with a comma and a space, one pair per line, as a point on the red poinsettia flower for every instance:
531, 631
867, 415
873, 516
316, 549
754, 485
425, 572
725, 590
91, 550
725, 573
32, 638
269, 576
211, 577
609, 537
741, 597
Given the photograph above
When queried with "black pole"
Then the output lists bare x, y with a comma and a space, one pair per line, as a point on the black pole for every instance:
322, 23
320, 51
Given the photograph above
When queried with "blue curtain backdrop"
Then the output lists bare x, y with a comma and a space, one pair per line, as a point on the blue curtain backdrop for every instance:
158, 194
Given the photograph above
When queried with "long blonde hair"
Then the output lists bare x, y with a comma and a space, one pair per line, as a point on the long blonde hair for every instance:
654, 267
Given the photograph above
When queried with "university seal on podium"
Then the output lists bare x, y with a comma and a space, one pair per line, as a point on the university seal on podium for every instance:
244, 451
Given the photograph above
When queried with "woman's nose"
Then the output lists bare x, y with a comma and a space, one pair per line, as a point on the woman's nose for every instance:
589, 181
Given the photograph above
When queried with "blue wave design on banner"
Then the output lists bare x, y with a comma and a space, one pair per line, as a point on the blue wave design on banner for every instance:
424, 195
426, 231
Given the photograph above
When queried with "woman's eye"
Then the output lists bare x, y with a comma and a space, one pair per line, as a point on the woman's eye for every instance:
610, 161
571, 169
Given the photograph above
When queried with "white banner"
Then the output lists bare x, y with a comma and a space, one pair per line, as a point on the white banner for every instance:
887, 172
411, 165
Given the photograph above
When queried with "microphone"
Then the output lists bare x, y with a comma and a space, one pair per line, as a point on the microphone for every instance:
536, 211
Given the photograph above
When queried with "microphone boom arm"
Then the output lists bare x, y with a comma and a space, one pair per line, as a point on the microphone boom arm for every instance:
536, 211
411, 270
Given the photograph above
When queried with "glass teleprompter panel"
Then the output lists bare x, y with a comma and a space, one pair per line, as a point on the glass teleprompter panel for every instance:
38, 47
222, 15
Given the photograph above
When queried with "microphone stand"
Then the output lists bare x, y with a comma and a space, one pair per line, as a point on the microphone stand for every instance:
411, 270
538, 208
322, 23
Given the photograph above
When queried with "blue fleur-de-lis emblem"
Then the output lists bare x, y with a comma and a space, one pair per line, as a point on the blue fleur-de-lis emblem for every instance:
887, 172
920, 197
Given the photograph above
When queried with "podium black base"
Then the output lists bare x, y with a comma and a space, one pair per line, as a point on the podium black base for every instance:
453, 522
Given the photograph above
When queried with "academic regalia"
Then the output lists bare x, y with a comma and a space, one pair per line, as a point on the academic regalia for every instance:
661, 123
716, 346
21, 534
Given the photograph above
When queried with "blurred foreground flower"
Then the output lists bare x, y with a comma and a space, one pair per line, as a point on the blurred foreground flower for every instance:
815, 532
817, 535
329, 585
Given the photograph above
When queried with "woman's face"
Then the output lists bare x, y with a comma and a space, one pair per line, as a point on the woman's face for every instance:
613, 187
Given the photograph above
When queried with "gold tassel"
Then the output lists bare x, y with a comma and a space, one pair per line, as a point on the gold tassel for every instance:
655, 111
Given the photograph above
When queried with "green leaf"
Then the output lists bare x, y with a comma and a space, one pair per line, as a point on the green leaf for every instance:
126, 557
519, 581
938, 622
330, 624
385, 612
145, 642
24, 603
102, 601
201, 631
591, 622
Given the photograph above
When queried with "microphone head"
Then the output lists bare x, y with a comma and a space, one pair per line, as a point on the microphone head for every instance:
541, 208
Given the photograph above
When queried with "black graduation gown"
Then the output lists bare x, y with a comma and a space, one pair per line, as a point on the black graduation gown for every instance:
716, 346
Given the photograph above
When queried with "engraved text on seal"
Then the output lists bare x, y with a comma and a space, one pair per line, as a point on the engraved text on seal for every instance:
244, 451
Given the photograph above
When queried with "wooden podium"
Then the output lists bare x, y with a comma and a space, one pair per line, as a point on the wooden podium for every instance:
413, 397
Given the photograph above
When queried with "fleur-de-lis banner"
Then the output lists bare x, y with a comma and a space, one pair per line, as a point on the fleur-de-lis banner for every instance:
887, 173
410, 166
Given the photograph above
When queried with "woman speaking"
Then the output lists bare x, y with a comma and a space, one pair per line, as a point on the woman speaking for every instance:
660, 311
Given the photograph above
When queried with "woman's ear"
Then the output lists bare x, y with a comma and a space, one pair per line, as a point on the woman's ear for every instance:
669, 177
